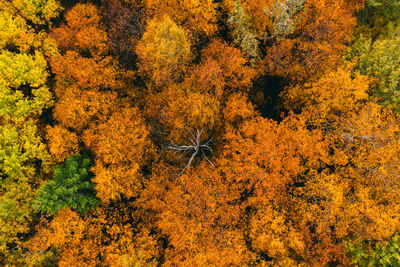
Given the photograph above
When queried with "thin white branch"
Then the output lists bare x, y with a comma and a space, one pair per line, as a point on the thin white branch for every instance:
197, 149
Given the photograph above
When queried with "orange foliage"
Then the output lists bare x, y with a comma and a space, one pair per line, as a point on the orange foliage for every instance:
272, 231
255, 191
237, 109
179, 109
223, 69
83, 60
74, 70
320, 37
353, 196
197, 16
62, 143
121, 146
335, 94
267, 162
198, 216
81, 33
354, 4
265, 158
109, 236
77, 108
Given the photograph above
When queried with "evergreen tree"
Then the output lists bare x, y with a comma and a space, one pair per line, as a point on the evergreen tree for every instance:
71, 187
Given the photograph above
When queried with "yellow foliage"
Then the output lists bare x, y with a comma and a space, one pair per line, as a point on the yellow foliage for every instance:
163, 51
197, 16
335, 94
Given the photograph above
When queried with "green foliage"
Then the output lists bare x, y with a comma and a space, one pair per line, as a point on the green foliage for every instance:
243, 34
385, 253
381, 60
377, 14
71, 187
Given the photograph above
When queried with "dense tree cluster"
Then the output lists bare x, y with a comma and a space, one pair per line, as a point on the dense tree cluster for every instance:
200, 133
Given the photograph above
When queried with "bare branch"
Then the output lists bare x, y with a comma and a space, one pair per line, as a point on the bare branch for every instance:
197, 149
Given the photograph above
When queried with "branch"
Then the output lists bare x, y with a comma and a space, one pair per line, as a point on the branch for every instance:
197, 147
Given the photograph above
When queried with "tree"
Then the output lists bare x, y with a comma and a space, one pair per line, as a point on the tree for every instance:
122, 147
22, 85
125, 21
163, 51
384, 253
24, 160
38, 12
237, 109
377, 15
15, 32
166, 154
199, 214
180, 108
255, 22
223, 70
73, 70
71, 187
195, 149
380, 60
284, 15
331, 97
110, 235
243, 34
357, 180
84, 61
252, 11
353, 198
81, 32
199, 18
320, 35
78, 108
62, 143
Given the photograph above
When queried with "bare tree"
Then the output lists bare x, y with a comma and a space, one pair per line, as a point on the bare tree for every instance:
195, 149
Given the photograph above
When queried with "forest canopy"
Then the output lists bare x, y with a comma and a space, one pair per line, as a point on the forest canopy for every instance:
199, 133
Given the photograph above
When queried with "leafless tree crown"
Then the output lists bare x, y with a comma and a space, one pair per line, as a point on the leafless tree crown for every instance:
195, 149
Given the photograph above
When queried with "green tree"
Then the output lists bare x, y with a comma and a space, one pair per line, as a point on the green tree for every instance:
374, 18
383, 253
71, 187
380, 59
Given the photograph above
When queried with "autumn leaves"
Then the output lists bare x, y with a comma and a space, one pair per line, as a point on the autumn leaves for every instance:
108, 93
